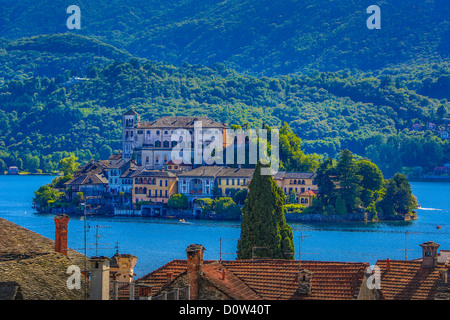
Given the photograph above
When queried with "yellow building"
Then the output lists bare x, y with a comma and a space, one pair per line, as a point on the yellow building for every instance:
233, 178
156, 186
122, 267
299, 183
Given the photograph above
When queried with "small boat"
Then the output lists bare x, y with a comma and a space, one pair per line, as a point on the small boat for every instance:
438, 227
182, 221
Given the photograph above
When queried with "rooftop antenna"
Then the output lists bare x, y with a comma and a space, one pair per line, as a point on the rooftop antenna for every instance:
300, 239
85, 205
406, 245
220, 248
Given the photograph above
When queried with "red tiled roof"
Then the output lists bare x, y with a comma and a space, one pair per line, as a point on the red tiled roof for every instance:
271, 279
277, 279
309, 193
407, 280
229, 284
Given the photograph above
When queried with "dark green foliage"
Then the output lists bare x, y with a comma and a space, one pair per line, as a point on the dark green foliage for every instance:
398, 196
178, 202
264, 231
227, 208
349, 182
355, 91
268, 37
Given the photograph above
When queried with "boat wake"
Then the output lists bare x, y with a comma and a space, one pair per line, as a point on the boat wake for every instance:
430, 209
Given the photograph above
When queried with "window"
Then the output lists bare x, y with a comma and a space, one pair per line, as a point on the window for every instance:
157, 160
157, 144
228, 182
166, 183
166, 144
166, 132
157, 131
166, 193
148, 132
147, 160
232, 182
160, 183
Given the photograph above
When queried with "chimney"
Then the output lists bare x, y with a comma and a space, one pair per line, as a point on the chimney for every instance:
61, 230
429, 254
388, 264
304, 282
194, 268
99, 278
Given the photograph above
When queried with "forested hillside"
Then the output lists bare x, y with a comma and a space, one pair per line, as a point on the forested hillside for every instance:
43, 117
265, 37
313, 65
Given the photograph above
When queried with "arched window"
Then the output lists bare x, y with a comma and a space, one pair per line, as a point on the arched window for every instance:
165, 159
157, 159
302, 200
136, 190
174, 143
295, 181
303, 181
145, 190
154, 181
166, 143
157, 143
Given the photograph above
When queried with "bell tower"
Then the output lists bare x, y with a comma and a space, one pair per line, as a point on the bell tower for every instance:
130, 119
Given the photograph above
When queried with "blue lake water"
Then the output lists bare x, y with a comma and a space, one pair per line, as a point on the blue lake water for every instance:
157, 241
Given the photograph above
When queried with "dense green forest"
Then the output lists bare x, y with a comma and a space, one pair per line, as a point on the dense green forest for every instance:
313, 69
267, 37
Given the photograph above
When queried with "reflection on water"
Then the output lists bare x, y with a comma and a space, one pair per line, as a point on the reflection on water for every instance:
157, 241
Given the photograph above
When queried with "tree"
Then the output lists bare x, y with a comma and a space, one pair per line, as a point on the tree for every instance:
325, 184
3, 167
240, 196
340, 206
178, 201
228, 208
45, 196
349, 188
264, 231
371, 180
69, 165
105, 152
398, 197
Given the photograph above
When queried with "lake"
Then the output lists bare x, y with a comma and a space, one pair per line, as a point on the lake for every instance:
157, 241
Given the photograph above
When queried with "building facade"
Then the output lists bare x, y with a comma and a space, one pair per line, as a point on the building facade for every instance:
151, 143
155, 186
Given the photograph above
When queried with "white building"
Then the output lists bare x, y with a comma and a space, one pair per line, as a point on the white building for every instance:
151, 141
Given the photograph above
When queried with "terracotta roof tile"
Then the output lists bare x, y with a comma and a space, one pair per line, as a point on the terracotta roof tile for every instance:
407, 280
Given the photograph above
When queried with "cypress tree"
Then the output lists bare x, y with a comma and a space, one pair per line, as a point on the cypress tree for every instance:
263, 222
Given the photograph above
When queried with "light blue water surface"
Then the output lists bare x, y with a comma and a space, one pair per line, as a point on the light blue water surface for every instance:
157, 241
